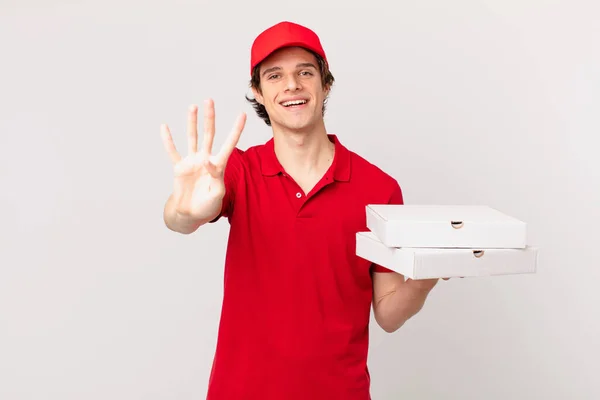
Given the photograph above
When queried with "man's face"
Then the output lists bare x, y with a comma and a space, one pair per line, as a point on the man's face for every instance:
291, 89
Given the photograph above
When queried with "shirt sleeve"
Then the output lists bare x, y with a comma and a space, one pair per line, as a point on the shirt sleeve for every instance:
395, 198
232, 175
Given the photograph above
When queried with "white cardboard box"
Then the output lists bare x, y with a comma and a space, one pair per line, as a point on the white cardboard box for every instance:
424, 263
445, 226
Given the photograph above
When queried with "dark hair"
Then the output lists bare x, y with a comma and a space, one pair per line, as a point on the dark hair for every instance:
327, 80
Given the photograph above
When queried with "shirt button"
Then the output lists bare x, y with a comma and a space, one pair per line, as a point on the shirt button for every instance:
298, 195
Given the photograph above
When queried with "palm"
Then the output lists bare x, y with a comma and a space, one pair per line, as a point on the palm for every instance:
198, 178
194, 186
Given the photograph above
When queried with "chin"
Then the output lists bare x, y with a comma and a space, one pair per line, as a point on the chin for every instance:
297, 125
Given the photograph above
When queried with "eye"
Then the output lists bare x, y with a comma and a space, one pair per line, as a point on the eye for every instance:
273, 76
306, 73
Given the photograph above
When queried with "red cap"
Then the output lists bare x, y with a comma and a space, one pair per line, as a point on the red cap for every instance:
284, 34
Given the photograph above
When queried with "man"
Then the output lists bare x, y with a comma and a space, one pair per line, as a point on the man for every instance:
297, 300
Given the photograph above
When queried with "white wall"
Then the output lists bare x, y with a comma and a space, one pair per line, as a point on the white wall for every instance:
469, 102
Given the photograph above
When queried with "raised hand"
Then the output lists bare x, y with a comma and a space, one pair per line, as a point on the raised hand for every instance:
198, 177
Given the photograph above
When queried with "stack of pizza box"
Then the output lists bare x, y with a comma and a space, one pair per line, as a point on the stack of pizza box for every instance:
445, 241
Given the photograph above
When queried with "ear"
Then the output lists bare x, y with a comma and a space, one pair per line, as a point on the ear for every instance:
258, 96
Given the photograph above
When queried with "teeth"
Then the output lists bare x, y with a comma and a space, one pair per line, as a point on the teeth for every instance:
293, 103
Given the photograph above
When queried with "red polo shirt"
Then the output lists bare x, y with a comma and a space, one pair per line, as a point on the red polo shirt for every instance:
297, 300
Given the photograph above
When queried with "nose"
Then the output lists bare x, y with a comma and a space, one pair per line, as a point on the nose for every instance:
292, 83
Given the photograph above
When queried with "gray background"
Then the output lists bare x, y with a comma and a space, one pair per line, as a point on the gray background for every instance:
464, 102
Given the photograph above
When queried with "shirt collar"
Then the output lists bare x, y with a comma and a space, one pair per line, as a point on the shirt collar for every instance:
270, 165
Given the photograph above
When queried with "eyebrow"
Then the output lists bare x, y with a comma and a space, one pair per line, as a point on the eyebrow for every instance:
300, 65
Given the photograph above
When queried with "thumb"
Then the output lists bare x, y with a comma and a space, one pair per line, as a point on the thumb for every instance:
212, 169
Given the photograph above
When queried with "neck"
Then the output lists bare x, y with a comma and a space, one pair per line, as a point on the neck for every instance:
304, 152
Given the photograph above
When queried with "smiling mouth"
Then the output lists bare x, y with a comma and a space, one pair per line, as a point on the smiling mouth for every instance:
294, 103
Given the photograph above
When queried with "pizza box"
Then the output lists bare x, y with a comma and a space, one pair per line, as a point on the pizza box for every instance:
445, 226
424, 263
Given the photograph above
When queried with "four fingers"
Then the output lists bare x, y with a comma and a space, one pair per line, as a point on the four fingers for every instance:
208, 139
